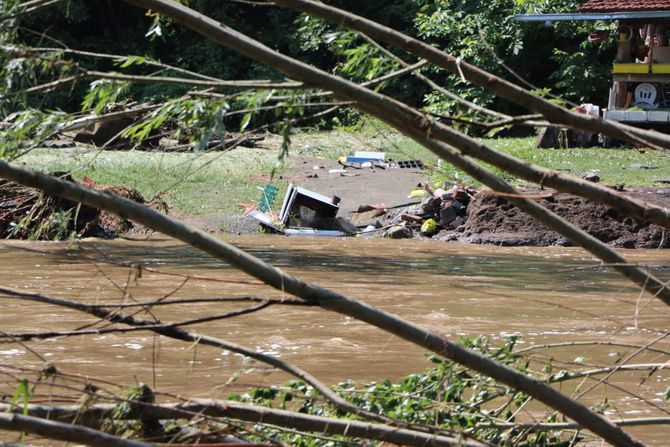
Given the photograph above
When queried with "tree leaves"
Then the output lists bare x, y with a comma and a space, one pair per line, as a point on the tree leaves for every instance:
103, 92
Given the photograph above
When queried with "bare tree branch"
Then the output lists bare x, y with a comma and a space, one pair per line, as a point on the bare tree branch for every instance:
218, 84
252, 413
589, 343
562, 377
63, 432
637, 422
42, 87
145, 327
29, 8
451, 95
115, 57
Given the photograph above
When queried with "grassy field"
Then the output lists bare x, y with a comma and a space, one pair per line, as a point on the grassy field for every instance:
196, 184
214, 183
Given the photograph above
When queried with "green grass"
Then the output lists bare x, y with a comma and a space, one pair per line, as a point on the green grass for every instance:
214, 183
612, 165
196, 184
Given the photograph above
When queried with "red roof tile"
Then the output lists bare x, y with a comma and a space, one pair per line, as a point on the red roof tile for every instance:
625, 5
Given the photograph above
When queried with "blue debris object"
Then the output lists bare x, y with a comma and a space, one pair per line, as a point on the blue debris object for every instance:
268, 197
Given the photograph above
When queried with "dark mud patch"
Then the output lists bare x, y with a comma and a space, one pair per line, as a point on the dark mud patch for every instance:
27, 213
491, 219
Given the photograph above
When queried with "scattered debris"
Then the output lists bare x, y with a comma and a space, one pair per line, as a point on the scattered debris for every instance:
410, 164
411, 218
375, 160
441, 209
58, 144
27, 213
268, 197
267, 178
365, 156
641, 166
429, 227
592, 177
305, 208
376, 206
399, 232
304, 213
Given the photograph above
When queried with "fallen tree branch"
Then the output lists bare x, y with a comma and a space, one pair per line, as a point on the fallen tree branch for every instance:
237, 84
63, 432
539, 426
251, 413
451, 95
589, 343
29, 8
564, 376
232, 299
42, 87
114, 57
87, 120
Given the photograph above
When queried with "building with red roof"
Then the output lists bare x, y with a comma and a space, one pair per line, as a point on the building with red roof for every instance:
641, 71
622, 5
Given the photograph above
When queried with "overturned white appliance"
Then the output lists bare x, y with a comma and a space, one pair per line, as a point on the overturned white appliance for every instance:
304, 213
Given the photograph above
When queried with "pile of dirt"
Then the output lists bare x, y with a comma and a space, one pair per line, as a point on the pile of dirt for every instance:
27, 213
491, 219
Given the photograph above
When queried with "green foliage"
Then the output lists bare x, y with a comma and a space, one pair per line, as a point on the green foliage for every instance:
54, 227
27, 128
357, 59
481, 32
447, 396
488, 35
21, 69
199, 120
23, 393
103, 92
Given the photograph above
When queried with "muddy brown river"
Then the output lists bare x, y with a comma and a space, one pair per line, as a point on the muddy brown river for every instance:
543, 295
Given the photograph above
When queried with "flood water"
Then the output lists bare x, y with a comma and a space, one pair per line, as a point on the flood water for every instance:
543, 295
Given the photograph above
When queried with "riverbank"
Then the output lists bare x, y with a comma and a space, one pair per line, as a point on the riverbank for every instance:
210, 190
493, 220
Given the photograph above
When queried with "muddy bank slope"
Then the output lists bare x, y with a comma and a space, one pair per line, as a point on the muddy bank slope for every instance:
27, 213
491, 219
